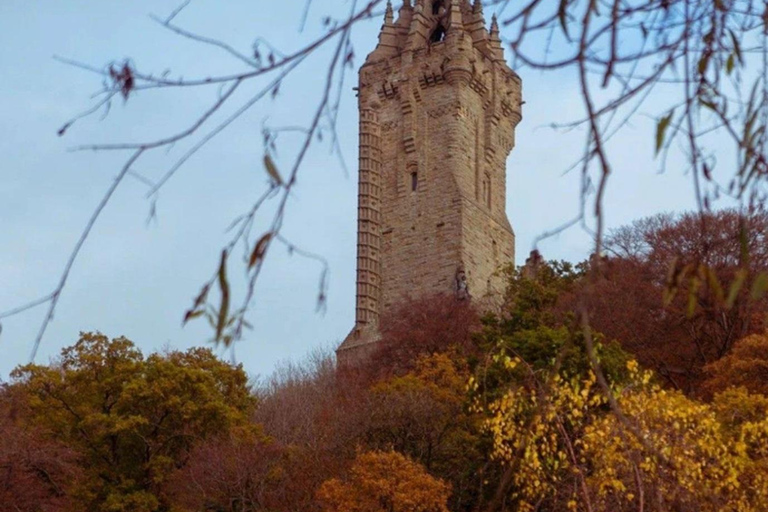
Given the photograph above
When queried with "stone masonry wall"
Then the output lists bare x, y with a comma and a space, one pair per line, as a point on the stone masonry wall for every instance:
437, 123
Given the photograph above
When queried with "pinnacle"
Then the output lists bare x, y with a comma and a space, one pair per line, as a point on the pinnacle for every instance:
494, 25
389, 16
477, 7
455, 10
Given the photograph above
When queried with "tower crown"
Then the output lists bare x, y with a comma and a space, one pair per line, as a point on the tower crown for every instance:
430, 22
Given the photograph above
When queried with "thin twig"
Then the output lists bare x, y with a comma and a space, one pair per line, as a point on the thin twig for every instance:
206, 40
56, 294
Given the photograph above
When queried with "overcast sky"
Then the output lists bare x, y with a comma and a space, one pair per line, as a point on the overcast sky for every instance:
137, 279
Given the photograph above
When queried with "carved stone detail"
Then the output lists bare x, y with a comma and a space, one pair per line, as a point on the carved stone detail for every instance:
369, 220
437, 122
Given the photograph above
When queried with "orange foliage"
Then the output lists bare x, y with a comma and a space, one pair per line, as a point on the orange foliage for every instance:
385, 482
746, 365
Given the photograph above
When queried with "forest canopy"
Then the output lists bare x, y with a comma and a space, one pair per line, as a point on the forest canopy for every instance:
458, 410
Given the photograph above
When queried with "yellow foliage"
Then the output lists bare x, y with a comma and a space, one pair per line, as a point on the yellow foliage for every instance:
437, 374
566, 447
533, 427
132, 419
692, 464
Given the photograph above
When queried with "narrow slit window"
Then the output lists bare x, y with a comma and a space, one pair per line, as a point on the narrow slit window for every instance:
414, 181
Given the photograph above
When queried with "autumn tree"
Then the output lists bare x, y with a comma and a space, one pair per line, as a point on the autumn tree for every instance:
736, 407
235, 473
566, 444
385, 482
538, 324
687, 459
746, 366
319, 416
423, 326
567, 450
132, 420
678, 291
524, 354
424, 415
36, 473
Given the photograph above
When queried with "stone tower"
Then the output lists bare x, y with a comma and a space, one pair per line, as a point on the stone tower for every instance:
438, 109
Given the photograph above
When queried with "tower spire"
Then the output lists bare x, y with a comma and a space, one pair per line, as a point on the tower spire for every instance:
495, 40
389, 16
494, 26
388, 37
417, 30
477, 7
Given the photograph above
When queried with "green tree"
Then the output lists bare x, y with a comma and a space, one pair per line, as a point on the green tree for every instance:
537, 325
132, 419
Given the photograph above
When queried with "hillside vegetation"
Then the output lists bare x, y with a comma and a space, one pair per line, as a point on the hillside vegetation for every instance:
459, 410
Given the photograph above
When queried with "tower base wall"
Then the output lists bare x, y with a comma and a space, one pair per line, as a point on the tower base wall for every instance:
359, 346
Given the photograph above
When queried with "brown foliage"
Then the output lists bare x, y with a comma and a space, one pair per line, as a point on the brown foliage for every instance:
325, 417
424, 326
35, 472
320, 418
228, 474
695, 327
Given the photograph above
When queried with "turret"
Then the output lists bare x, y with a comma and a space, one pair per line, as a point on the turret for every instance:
458, 68
388, 37
497, 51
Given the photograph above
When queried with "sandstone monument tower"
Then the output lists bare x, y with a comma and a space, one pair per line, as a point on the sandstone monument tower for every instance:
438, 109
